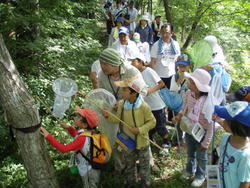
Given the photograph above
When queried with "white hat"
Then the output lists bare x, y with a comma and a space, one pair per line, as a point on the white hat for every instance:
144, 17
201, 79
136, 83
138, 56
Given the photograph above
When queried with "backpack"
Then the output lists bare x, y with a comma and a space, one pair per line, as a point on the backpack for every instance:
100, 150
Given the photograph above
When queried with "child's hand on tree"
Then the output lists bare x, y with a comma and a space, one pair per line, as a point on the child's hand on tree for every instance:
64, 125
44, 132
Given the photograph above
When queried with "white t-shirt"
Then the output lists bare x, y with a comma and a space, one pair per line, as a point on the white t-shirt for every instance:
165, 63
151, 79
144, 49
96, 67
126, 51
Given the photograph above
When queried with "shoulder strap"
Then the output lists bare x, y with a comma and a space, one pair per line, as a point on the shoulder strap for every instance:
223, 160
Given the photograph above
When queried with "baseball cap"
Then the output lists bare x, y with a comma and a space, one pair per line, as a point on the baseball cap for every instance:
90, 115
183, 59
237, 111
136, 83
123, 30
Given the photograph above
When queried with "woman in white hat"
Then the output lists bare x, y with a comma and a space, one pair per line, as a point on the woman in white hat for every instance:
145, 30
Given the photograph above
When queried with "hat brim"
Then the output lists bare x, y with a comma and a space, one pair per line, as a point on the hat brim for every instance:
121, 84
123, 32
80, 111
201, 87
221, 111
182, 63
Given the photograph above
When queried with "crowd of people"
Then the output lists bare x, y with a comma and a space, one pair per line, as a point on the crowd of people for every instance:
143, 58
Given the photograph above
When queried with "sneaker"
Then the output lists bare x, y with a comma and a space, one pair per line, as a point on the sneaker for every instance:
186, 175
198, 182
165, 149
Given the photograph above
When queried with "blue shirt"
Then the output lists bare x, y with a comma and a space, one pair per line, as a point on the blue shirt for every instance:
236, 164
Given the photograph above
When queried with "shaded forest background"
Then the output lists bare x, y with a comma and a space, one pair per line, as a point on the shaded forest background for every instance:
51, 39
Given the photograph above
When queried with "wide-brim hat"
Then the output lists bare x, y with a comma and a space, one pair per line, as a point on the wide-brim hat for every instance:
138, 55
90, 115
201, 79
237, 111
136, 83
144, 17
157, 15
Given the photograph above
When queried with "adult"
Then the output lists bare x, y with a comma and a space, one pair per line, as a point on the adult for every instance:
108, 14
218, 55
156, 27
114, 69
144, 30
95, 69
130, 16
124, 45
164, 54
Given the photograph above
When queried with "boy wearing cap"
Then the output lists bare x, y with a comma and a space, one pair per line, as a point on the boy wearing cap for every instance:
138, 116
124, 45
234, 163
153, 99
86, 119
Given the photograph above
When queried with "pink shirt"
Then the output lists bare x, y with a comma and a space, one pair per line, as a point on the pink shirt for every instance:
188, 106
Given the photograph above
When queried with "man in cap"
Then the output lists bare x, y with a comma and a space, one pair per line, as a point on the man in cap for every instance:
114, 69
124, 45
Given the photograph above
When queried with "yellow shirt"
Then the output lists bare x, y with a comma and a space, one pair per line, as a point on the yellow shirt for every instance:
144, 118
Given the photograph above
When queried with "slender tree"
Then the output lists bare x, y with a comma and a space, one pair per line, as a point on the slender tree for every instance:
22, 114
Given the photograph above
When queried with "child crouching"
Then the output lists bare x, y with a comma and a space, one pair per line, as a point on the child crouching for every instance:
137, 114
86, 119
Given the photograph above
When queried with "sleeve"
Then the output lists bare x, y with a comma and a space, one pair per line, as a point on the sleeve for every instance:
156, 78
75, 145
150, 121
116, 119
209, 132
72, 131
244, 168
154, 50
150, 37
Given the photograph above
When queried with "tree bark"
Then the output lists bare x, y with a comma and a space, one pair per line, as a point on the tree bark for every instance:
167, 11
21, 112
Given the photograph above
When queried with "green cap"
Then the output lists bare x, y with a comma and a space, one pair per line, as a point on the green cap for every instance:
111, 56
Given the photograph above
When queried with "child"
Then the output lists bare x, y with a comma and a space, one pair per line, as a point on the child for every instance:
143, 47
114, 35
194, 103
137, 114
153, 99
144, 30
235, 146
156, 27
179, 83
85, 119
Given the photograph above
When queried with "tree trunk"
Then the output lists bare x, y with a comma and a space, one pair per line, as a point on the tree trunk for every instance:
167, 11
22, 114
